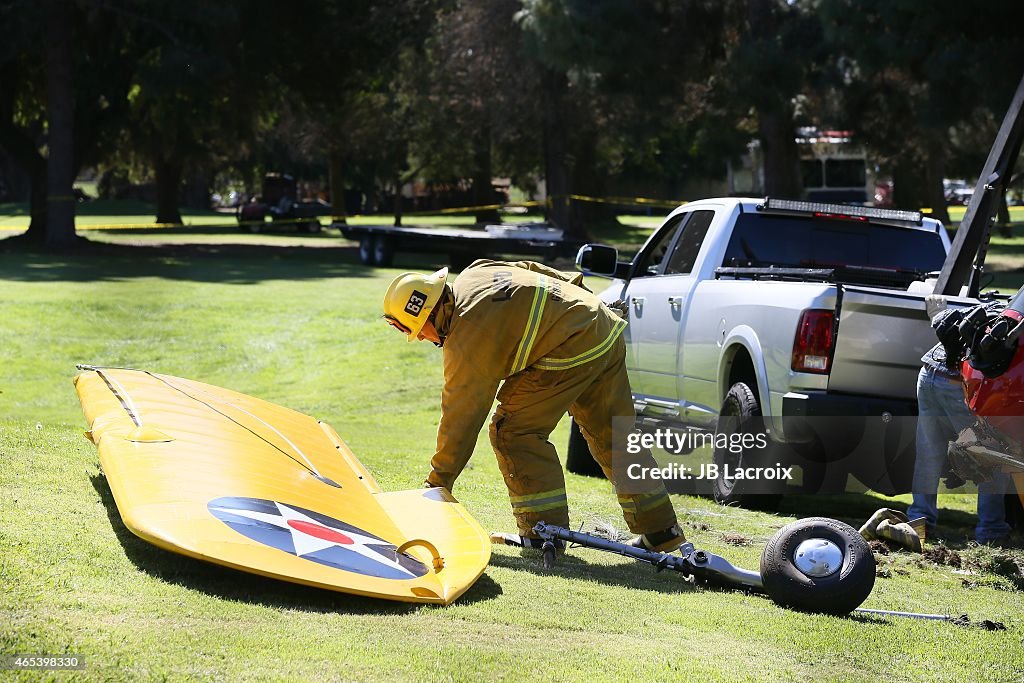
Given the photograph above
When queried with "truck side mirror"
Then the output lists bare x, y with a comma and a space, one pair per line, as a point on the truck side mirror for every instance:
597, 259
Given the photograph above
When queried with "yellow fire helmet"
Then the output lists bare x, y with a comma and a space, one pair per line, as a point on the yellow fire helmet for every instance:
410, 299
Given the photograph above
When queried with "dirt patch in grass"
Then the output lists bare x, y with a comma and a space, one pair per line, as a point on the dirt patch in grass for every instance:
736, 539
942, 555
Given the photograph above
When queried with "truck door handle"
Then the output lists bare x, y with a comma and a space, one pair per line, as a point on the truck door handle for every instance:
675, 301
638, 303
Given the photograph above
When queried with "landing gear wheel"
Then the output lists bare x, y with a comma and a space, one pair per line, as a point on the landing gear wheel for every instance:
578, 458
818, 565
740, 414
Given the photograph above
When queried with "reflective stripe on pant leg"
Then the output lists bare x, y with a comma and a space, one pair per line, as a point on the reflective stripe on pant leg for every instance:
647, 512
539, 502
551, 507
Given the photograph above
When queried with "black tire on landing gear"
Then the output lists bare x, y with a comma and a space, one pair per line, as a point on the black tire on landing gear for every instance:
818, 565
578, 458
741, 413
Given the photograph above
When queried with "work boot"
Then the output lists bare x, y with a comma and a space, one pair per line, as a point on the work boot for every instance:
531, 542
664, 541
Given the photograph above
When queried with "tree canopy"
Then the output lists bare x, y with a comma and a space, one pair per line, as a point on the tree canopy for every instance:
588, 97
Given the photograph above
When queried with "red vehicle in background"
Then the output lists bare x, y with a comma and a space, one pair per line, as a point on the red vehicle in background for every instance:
279, 201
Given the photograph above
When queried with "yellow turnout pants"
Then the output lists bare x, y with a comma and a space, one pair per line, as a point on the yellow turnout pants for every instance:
530, 404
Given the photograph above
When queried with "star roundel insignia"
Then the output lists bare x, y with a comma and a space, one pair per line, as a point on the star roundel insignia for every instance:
315, 537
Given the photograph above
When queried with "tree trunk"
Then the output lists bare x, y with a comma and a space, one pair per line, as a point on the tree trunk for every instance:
935, 171
197, 190
1003, 217
483, 178
398, 202
556, 155
586, 180
60, 200
781, 158
37, 204
168, 183
336, 180
908, 187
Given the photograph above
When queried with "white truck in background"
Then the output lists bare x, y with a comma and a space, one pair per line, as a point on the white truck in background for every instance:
808, 316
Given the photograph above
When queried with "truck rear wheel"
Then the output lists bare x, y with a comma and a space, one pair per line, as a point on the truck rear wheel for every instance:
740, 414
578, 458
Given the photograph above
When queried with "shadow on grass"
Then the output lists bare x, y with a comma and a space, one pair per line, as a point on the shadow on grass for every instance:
574, 565
226, 263
230, 584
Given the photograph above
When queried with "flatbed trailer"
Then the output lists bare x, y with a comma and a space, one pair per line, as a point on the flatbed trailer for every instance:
378, 244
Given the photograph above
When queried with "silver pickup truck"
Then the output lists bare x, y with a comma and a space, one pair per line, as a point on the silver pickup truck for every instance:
808, 319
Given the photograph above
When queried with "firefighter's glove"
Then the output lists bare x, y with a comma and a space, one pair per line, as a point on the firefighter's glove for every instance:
621, 308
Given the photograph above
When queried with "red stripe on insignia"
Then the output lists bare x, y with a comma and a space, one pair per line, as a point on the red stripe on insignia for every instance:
320, 531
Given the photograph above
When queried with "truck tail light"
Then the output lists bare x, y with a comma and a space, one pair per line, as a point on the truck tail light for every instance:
812, 348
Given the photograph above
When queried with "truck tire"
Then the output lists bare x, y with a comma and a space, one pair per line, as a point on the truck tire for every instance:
312, 226
742, 414
383, 251
578, 458
818, 565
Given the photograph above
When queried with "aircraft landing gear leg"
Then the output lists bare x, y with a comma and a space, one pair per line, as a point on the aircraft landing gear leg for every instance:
548, 550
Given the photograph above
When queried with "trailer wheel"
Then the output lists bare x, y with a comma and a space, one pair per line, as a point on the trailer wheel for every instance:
313, 226
366, 250
578, 458
740, 414
383, 251
818, 565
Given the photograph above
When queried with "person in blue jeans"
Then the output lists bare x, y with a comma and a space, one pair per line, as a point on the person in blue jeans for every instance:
942, 414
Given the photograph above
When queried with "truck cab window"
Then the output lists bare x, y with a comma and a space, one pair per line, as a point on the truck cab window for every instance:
688, 245
654, 254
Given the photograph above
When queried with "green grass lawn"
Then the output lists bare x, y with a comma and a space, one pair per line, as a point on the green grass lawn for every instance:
296, 320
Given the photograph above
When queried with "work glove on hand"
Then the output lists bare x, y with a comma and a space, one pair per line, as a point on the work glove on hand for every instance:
947, 329
621, 308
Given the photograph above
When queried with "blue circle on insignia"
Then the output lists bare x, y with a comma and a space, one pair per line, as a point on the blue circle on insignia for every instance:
315, 537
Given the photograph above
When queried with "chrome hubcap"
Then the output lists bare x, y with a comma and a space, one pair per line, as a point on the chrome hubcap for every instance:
818, 557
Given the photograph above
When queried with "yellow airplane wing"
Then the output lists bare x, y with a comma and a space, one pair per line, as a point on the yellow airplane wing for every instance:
227, 478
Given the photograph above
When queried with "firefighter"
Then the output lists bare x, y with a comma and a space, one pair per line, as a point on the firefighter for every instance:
543, 344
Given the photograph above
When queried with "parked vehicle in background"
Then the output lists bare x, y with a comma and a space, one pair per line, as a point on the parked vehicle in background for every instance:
833, 167
806, 318
957, 192
279, 201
